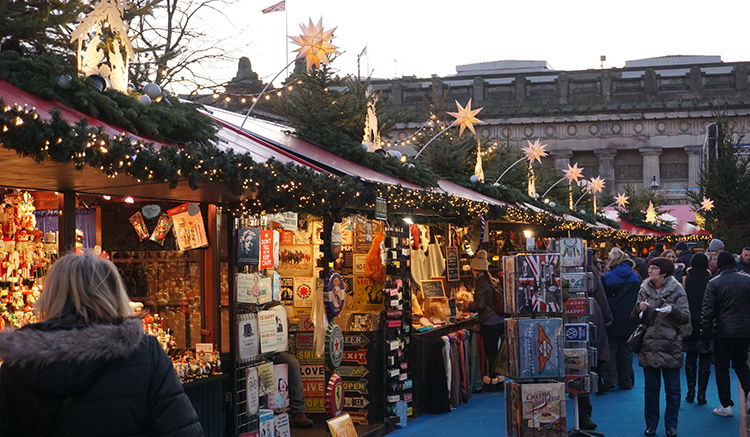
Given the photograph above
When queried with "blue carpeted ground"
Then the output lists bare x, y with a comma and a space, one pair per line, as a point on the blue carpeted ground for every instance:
618, 413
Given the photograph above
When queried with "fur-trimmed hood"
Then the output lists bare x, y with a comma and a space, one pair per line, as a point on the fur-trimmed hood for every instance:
41, 344
59, 359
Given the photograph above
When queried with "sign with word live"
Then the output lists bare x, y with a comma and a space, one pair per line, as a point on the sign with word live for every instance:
577, 332
576, 307
313, 388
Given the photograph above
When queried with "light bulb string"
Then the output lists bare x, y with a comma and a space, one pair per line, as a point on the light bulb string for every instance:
263, 91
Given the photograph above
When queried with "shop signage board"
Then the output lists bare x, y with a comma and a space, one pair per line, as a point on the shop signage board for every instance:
356, 340
352, 371
381, 209
356, 402
359, 417
576, 307
356, 386
312, 372
359, 356
313, 388
451, 263
315, 404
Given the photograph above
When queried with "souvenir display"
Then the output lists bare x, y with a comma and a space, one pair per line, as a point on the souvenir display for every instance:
248, 246
279, 398
342, 426
248, 338
535, 410
162, 228
139, 225
334, 345
251, 383
572, 252
281, 423
532, 283
335, 396
266, 423
576, 361
303, 291
368, 294
334, 295
267, 328
535, 348
188, 227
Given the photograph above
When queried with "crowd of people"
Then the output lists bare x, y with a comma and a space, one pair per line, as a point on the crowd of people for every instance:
695, 307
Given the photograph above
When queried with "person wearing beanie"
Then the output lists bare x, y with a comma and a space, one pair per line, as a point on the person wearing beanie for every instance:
621, 284
715, 246
726, 305
697, 353
492, 324
656, 252
683, 253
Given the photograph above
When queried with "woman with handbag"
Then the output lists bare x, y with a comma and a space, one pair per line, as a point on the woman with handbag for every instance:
663, 306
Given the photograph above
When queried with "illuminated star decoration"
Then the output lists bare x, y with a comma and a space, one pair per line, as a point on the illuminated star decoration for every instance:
535, 151
572, 174
621, 200
597, 184
465, 117
314, 44
707, 204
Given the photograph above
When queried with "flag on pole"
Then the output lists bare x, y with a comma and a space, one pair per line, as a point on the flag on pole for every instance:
364, 51
280, 6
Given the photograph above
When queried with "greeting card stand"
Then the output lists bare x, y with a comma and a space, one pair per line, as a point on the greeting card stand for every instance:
578, 308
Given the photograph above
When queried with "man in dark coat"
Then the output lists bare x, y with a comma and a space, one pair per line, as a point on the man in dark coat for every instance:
743, 261
726, 305
683, 254
656, 252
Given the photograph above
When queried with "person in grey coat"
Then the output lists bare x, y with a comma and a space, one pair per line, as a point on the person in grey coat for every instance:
88, 368
663, 303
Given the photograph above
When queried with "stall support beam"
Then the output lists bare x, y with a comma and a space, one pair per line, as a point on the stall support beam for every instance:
66, 206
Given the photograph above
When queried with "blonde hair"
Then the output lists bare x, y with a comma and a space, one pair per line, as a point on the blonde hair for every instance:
668, 251
87, 286
616, 256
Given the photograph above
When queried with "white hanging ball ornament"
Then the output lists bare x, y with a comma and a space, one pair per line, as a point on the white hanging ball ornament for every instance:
474, 178
552, 204
65, 81
364, 146
144, 100
152, 90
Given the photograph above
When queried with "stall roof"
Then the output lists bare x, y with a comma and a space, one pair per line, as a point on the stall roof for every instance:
279, 137
460, 191
24, 173
681, 227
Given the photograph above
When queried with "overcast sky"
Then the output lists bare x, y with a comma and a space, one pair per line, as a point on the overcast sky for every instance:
421, 38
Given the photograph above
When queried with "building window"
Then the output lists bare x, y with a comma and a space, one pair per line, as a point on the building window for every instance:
629, 172
673, 171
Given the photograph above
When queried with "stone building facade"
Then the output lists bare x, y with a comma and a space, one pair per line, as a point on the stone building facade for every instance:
629, 125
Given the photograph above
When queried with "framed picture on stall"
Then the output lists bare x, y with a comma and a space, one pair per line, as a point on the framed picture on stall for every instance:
295, 260
432, 288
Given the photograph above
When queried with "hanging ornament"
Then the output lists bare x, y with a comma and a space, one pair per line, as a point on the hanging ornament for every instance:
707, 204
465, 118
314, 44
596, 185
621, 200
371, 138
572, 174
535, 151
478, 170
651, 213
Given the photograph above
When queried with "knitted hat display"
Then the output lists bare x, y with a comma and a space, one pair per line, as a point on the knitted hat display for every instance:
480, 261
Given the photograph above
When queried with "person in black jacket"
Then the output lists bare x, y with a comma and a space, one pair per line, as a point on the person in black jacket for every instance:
621, 285
683, 253
726, 306
88, 369
493, 324
697, 352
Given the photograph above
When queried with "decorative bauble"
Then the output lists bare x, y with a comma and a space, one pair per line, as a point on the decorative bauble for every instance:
100, 82
552, 204
152, 90
144, 100
474, 179
65, 81
364, 146
393, 153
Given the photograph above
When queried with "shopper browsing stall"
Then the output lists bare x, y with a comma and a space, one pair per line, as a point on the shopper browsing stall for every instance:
87, 368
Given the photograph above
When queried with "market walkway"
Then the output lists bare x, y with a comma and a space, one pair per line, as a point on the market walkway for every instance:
618, 413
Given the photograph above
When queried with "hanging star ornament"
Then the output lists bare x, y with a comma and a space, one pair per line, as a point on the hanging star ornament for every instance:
621, 200
465, 117
314, 44
535, 151
597, 184
707, 204
572, 174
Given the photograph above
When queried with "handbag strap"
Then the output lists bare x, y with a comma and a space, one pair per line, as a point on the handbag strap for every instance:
653, 315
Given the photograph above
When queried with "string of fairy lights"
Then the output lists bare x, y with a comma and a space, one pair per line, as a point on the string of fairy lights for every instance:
268, 187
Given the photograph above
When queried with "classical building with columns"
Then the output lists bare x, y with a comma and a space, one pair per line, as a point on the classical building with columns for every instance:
629, 125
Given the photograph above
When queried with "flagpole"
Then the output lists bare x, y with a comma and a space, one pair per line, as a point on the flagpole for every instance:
286, 34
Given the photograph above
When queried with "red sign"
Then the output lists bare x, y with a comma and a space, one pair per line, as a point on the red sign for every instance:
305, 340
576, 307
360, 356
407, 397
394, 323
266, 250
359, 417
394, 313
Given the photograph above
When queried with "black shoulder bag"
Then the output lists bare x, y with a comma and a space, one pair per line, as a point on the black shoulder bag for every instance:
635, 341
